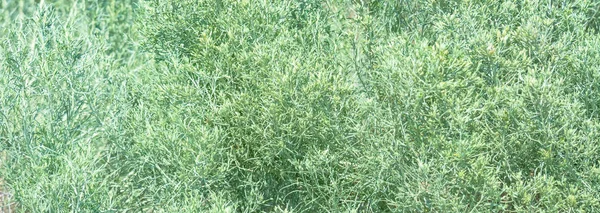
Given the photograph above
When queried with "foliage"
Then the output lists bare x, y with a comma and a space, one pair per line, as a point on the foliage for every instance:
301, 106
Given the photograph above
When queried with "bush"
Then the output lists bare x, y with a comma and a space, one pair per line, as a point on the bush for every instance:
475, 100
301, 106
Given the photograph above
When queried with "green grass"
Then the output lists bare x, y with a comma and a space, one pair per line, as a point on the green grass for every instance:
300, 106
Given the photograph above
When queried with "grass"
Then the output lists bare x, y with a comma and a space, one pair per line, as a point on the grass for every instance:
300, 106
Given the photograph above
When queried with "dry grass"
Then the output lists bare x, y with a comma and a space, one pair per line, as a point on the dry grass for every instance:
5, 200
6, 204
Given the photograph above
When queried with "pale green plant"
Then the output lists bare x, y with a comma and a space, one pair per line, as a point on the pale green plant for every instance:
300, 106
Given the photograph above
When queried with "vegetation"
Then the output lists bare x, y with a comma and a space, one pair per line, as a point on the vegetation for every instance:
300, 106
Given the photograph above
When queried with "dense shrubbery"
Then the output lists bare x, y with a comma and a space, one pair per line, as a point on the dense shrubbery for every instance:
302, 106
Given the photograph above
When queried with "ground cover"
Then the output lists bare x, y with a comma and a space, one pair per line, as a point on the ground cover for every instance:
300, 106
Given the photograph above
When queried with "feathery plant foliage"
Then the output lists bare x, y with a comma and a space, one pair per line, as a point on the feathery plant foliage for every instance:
301, 106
